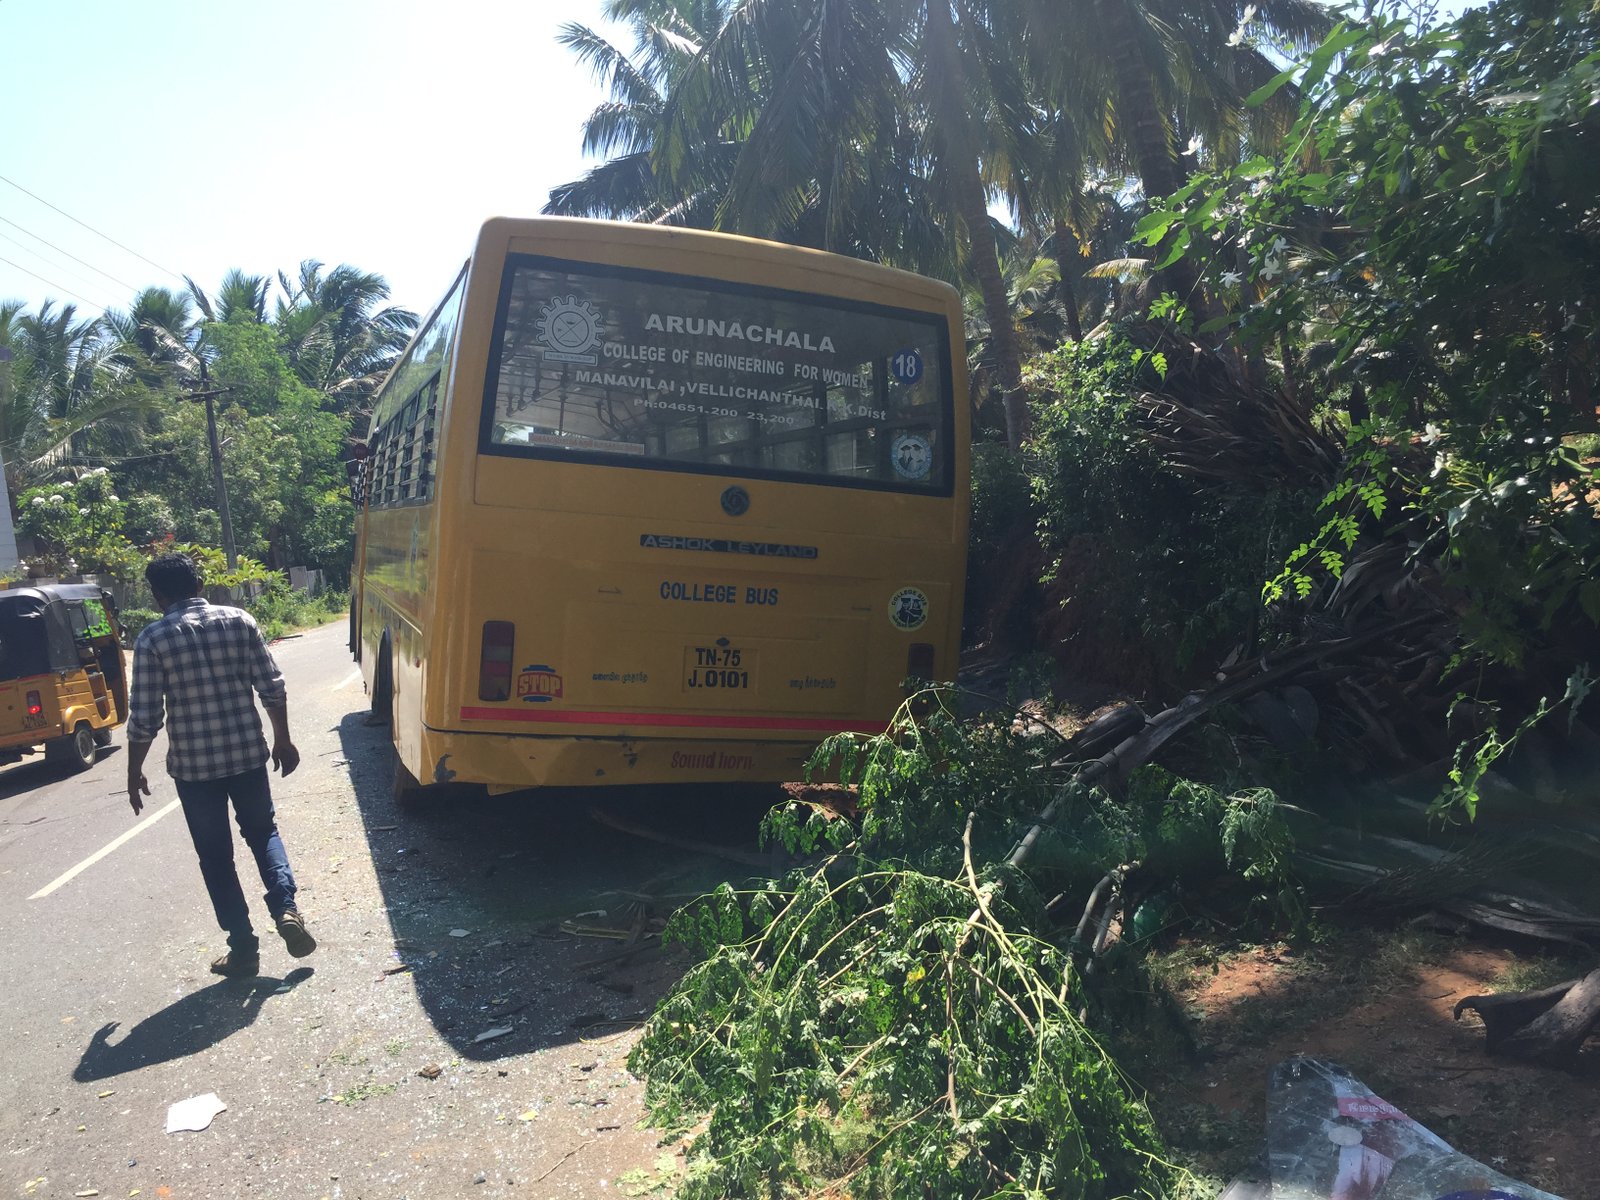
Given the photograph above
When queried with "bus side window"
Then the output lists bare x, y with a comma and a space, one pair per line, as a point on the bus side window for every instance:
430, 420
382, 456
406, 440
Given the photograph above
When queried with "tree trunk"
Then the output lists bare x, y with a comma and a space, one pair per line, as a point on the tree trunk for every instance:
954, 130
1066, 247
1554, 1032
1143, 126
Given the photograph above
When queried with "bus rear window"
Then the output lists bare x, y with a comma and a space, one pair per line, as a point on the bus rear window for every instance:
643, 369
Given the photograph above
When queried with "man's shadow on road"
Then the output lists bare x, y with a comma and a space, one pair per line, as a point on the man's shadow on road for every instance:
195, 1023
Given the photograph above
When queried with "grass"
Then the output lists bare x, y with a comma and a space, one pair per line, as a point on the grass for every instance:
280, 609
1541, 971
365, 1090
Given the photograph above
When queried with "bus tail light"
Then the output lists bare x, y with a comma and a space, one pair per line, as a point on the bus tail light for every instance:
494, 663
919, 661
35, 704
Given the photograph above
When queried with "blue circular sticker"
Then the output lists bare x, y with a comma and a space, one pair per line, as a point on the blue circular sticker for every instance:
911, 455
906, 366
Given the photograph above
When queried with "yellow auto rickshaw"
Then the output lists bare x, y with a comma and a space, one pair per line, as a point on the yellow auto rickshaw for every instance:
62, 682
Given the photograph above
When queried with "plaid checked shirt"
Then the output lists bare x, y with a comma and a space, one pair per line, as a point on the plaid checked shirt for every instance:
200, 662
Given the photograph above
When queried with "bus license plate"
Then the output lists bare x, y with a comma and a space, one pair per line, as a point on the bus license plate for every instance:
718, 668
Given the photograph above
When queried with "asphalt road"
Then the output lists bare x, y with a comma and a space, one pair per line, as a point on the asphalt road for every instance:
435, 928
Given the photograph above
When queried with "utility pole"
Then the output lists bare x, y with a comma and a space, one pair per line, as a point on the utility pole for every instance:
216, 464
8, 533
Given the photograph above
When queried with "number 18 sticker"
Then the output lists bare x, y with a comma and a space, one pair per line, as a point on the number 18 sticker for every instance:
906, 366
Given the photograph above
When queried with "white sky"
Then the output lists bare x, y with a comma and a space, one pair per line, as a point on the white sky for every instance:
209, 134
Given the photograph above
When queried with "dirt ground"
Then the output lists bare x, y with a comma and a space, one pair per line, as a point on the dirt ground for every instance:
1381, 1004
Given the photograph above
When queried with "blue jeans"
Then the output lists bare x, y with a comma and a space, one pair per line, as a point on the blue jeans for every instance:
205, 807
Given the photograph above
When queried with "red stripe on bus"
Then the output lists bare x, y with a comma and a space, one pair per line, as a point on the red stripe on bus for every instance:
677, 720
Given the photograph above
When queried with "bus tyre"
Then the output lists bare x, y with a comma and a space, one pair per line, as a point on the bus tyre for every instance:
383, 685
76, 751
406, 791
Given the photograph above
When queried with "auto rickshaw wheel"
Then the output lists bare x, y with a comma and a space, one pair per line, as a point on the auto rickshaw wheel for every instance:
76, 751
102, 737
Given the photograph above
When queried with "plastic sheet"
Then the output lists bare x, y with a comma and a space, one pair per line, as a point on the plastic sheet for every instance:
1329, 1137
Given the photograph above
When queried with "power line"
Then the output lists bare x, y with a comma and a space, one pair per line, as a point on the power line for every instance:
52, 283
90, 228
69, 254
67, 270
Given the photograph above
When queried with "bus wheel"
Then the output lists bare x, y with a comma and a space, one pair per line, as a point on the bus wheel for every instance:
102, 737
405, 790
76, 751
383, 685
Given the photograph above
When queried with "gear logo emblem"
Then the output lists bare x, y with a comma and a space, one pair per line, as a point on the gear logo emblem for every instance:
570, 328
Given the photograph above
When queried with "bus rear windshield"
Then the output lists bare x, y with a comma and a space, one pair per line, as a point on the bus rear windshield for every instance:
643, 369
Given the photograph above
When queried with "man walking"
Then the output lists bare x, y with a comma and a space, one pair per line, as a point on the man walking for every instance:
199, 663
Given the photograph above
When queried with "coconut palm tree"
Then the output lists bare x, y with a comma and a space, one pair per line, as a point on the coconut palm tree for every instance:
240, 297
873, 203
337, 333
61, 377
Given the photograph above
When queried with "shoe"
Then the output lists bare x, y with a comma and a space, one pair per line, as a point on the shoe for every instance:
236, 965
295, 936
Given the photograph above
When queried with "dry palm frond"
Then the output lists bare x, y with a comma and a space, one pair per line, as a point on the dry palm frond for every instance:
1120, 268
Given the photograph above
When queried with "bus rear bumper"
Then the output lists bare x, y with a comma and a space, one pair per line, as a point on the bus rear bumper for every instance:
508, 763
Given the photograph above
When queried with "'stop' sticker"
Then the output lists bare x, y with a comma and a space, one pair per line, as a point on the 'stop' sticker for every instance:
908, 609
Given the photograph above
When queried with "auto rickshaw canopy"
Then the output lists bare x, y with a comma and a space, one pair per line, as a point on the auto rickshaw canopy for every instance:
42, 628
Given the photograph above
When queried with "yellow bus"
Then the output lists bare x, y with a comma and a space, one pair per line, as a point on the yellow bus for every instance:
644, 505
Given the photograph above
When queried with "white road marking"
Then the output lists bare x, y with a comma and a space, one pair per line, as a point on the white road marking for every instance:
347, 680
69, 876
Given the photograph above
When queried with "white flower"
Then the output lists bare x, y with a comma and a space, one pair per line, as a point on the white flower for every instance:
38, 500
1278, 245
1431, 433
1237, 36
57, 498
1194, 145
1440, 462
1231, 278
1271, 269
115, 497
83, 512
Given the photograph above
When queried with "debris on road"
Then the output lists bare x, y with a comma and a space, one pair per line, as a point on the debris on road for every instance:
431, 1071
461, 933
617, 821
1329, 1135
488, 1035
194, 1114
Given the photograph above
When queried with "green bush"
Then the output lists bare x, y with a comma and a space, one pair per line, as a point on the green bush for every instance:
1001, 541
135, 619
902, 1019
279, 608
1154, 560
